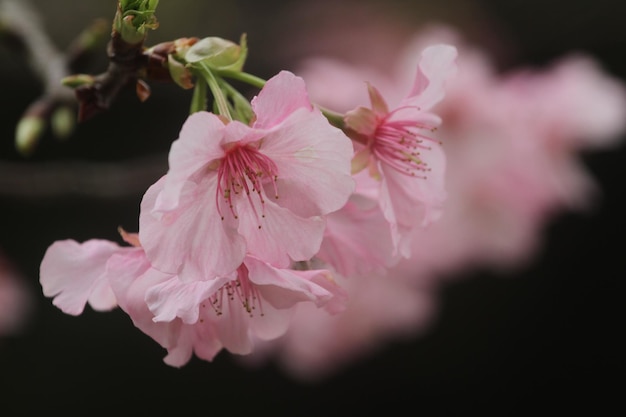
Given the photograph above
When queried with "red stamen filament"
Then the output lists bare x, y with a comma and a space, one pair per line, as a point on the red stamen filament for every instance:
243, 171
399, 144
241, 290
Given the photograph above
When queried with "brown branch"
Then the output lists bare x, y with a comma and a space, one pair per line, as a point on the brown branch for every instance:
23, 31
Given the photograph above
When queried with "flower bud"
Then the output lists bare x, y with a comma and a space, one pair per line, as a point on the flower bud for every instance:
218, 53
78, 80
27, 134
134, 18
62, 122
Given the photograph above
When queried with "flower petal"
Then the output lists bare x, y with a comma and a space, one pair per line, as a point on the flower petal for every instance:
233, 329
410, 201
314, 162
437, 65
131, 276
198, 144
283, 236
73, 273
173, 298
282, 95
283, 288
191, 241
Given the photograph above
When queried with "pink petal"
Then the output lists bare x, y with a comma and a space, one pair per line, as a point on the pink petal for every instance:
313, 161
198, 144
206, 342
282, 95
437, 65
357, 240
193, 236
73, 273
410, 201
131, 276
240, 133
283, 236
233, 328
173, 298
283, 288
272, 324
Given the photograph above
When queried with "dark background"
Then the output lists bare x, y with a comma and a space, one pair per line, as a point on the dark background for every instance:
545, 338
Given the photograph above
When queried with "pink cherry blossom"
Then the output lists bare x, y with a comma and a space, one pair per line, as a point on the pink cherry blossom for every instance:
234, 189
16, 301
398, 149
201, 317
253, 302
106, 274
511, 143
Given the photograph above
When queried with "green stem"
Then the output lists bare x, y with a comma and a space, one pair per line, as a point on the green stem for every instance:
198, 100
242, 107
244, 77
218, 94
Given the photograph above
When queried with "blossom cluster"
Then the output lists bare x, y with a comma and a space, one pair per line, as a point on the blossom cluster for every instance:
264, 210
317, 219
512, 146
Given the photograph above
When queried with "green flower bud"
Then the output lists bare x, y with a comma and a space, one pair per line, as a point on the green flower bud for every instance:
218, 53
27, 134
78, 80
62, 122
134, 18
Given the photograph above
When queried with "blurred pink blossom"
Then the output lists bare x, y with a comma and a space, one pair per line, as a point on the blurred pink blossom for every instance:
398, 151
512, 142
15, 299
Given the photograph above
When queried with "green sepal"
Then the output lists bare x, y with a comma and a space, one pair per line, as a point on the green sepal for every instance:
218, 54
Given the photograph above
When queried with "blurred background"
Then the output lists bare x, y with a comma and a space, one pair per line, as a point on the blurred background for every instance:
545, 336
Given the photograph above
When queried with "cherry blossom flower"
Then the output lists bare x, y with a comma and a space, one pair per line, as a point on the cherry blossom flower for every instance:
16, 302
201, 317
511, 142
234, 189
397, 151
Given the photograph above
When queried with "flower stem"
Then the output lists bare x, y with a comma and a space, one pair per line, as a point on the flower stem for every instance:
198, 100
253, 80
218, 93
241, 106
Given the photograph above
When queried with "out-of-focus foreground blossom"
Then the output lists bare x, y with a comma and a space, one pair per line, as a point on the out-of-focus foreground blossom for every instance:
15, 299
513, 143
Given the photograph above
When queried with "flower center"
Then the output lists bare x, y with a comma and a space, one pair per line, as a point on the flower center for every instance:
241, 291
399, 144
242, 173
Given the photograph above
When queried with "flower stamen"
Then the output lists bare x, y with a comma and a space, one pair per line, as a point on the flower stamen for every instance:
399, 144
243, 171
240, 290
